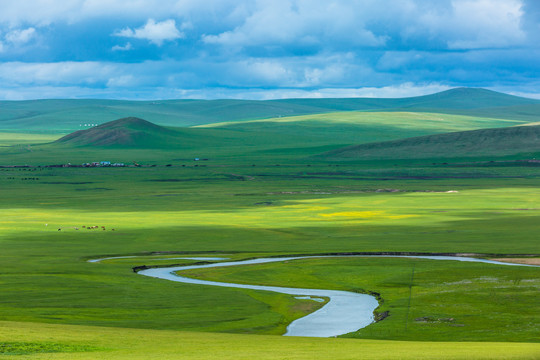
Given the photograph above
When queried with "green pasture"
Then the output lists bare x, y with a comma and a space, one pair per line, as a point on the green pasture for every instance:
16, 138
243, 211
84, 342
358, 209
339, 218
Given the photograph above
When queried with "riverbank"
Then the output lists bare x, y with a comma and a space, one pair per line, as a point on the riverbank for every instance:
528, 261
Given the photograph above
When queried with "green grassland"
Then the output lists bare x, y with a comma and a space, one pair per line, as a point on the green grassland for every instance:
121, 343
25, 139
264, 192
257, 213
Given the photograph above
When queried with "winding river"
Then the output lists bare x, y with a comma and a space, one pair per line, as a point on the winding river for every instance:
345, 311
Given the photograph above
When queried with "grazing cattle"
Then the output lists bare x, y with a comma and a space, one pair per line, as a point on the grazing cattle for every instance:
60, 229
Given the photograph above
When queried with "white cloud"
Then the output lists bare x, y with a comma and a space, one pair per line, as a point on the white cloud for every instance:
460, 24
59, 73
300, 22
155, 32
16, 39
397, 91
487, 23
296, 71
335, 47
46, 12
37, 12
531, 95
122, 81
20, 37
269, 71
126, 47
152, 93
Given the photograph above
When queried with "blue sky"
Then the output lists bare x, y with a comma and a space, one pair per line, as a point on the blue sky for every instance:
265, 49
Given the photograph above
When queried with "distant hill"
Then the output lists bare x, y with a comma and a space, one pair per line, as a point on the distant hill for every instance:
130, 132
70, 115
476, 143
458, 98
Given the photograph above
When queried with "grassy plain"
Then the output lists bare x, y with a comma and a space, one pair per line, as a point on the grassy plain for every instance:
258, 199
21, 138
257, 212
121, 343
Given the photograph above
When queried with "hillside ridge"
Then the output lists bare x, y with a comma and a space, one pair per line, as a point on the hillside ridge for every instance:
483, 142
68, 115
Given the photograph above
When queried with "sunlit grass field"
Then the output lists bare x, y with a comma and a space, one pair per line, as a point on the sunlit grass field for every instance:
401, 120
16, 138
348, 213
83, 342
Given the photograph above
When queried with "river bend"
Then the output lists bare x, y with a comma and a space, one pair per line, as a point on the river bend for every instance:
345, 311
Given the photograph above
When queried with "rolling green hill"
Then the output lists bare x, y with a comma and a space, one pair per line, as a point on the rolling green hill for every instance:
128, 132
330, 129
133, 134
277, 139
405, 123
484, 142
70, 115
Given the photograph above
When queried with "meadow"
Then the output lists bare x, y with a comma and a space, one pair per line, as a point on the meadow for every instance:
241, 218
254, 199
91, 342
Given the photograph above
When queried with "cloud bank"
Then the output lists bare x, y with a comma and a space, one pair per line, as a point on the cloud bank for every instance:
266, 49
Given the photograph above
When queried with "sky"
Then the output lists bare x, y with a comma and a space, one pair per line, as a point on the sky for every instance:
266, 49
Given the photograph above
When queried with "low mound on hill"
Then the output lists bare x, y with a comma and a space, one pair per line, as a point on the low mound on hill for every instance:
130, 132
476, 143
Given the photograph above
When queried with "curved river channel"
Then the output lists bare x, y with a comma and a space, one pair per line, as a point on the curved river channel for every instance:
345, 311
